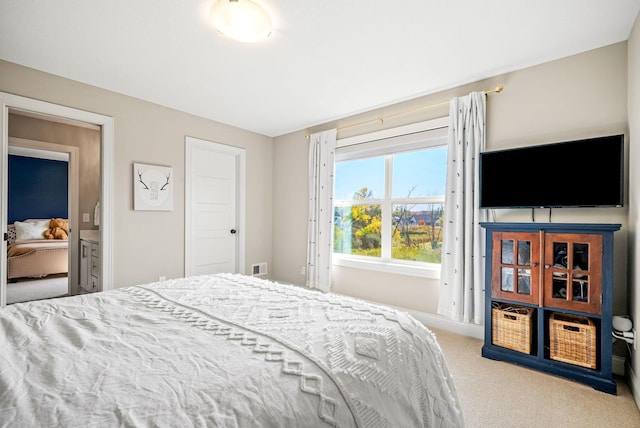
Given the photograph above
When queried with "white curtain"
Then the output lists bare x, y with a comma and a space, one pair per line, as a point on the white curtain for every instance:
320, 247
461, 295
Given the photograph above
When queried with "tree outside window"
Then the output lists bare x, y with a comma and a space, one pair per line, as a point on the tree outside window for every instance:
399, 217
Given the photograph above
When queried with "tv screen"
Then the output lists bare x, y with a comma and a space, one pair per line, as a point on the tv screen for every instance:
581, 173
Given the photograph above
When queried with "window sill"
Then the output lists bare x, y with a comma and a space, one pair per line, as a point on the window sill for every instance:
431, 271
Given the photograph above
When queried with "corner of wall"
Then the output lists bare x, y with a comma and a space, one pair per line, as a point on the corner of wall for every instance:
633, 111
634, 383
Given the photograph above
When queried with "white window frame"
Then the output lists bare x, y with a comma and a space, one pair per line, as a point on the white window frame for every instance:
346, 149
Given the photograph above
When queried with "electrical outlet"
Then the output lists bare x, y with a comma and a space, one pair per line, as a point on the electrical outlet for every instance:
303, 270
162, 278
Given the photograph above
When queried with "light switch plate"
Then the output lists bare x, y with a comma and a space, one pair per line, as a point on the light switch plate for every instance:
85, 217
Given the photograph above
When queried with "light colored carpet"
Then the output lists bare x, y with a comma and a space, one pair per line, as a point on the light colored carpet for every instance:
36, 289
501, 394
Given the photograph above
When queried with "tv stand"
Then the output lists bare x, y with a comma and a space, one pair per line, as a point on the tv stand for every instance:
548, 291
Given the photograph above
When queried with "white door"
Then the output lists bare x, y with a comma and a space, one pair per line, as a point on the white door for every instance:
214, 214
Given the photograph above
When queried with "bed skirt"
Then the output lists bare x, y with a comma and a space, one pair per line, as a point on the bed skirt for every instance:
38, 262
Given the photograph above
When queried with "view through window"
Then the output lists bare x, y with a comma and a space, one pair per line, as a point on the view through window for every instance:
390, 206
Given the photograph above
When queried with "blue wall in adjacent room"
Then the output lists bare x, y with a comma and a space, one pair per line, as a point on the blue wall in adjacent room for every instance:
37, 188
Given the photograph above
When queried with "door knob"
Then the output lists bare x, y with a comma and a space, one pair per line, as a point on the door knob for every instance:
233, 231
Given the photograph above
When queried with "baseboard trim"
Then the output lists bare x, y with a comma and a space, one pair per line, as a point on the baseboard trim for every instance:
634, 383
437, 321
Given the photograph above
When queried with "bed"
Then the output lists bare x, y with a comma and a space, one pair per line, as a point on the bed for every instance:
221, 350
30, 255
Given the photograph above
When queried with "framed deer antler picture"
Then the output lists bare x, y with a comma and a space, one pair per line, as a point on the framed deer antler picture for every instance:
152, 187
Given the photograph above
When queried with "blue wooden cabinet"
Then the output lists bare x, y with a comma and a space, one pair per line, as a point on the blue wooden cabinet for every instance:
553, 271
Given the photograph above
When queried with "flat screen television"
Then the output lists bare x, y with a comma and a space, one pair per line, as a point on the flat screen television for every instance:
580, 173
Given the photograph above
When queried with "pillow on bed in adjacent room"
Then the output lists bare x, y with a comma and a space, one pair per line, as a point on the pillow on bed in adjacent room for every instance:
32, 229
11, 234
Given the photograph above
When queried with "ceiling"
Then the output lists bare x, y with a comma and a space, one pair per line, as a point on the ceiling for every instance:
324, 60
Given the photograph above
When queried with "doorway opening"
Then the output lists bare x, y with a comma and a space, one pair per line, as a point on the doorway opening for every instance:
16, 109
43, 183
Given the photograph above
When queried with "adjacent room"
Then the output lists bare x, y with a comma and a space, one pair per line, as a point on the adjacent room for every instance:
53, 180
333, 214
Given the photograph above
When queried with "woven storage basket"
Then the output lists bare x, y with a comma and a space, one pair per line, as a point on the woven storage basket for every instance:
572, 339
511, 327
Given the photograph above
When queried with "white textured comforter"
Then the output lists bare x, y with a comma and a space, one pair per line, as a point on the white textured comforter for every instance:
220, 351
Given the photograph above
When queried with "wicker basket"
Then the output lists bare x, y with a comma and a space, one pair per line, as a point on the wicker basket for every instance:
511, 327
572, 339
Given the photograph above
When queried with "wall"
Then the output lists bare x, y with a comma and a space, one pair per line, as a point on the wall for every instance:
149, 244
574, 97
633, 102
291, 209
88, 142
37, 188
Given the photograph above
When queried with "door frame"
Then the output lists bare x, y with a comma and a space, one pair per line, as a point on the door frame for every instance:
73, 193
43, 108
241, 160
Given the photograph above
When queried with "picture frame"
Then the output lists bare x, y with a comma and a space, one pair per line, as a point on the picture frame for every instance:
152, 187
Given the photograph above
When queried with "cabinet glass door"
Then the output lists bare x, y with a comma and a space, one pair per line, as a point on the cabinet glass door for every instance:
515, 273
573, 272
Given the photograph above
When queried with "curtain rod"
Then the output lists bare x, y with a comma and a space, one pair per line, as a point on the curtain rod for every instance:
381, 119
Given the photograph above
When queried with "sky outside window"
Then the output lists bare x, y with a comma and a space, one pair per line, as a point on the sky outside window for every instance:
425, 170
352, 176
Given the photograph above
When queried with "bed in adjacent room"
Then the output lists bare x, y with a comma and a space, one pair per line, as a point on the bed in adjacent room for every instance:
31, 255
220, 350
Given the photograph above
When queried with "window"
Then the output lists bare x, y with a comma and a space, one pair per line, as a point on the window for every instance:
389, 201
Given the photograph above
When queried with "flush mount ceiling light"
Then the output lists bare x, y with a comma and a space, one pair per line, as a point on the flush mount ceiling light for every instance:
242, 20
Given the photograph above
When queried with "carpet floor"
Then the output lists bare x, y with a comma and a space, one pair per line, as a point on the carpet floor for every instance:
26, 290
501, 394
